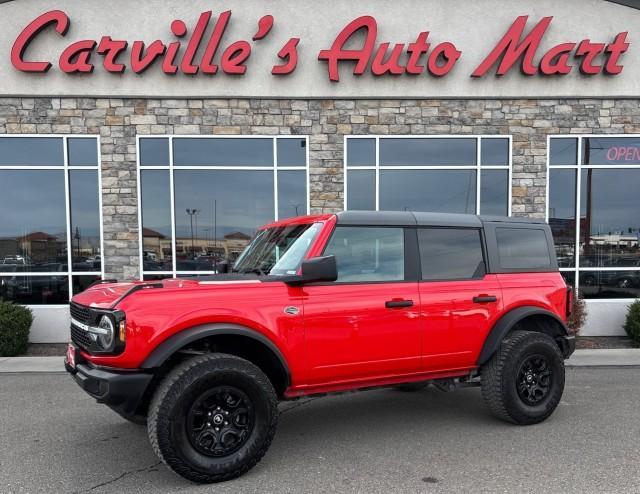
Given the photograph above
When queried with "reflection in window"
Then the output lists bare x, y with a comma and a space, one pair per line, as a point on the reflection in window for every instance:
217, 210
33, 228
85, 220
437, 174
563, 151
610, 206
368, 254
562, 214
156, 220
40, 246
609, 284
609, 225
292, 193
452, 191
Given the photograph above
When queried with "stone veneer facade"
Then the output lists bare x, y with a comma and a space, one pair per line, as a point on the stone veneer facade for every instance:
117, 121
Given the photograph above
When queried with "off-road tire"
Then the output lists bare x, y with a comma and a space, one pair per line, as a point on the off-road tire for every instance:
499, 375
167, 420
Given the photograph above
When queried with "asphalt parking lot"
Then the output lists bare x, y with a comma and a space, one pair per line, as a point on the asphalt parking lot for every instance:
56, 439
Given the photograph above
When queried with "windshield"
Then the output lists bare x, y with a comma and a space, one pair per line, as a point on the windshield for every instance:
277, 251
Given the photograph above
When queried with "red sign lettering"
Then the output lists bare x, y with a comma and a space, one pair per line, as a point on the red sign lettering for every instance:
180, 54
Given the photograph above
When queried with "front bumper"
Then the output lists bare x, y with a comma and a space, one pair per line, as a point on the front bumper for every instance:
122, 391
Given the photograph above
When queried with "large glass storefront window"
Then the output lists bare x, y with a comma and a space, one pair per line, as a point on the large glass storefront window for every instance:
50, 217
455, 174
594, 212
203, 198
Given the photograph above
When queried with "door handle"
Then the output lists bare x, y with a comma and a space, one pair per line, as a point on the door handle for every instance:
396, 304
484, 299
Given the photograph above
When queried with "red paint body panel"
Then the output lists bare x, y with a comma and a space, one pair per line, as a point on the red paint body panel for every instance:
343, 336
455, 326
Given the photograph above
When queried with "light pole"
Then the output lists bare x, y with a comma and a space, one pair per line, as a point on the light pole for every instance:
192, 213
76, 236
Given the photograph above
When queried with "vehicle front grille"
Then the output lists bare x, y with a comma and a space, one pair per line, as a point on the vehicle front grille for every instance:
80, 313
81, 338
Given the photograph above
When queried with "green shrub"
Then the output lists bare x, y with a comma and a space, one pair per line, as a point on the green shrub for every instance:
15, 322
632, 324
578, 315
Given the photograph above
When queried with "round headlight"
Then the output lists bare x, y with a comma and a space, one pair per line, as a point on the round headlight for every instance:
106, 339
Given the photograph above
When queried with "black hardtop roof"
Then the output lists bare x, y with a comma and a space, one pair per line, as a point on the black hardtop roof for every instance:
414, 218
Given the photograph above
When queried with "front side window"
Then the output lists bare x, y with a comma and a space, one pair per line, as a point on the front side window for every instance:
593, 212
453, 174
202, 199
450, 253
365, 254
50, 236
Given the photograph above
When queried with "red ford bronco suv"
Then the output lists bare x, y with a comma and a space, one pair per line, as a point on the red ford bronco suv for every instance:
321, 304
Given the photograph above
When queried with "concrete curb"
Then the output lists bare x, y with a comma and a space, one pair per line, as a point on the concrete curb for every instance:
615, 357
31, 364
623, 357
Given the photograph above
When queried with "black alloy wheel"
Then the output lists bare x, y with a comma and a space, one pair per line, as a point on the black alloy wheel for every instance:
534, 379
220, 421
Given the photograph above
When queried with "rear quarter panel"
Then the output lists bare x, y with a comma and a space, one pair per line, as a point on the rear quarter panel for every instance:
545, 290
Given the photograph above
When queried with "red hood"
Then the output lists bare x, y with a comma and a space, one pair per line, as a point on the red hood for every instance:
106, 295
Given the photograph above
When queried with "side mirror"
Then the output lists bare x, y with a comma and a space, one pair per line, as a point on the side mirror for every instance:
316, 269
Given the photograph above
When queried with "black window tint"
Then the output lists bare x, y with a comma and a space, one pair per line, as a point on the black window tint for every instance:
495, 151
31, 151
223, 151
83, 151
450, 253
361, 152
368, 254
427, 152
563, 151
523, 248
361, 190
154, 151
292, 152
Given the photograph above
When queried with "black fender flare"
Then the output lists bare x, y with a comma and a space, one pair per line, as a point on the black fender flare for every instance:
506, 323
181, 339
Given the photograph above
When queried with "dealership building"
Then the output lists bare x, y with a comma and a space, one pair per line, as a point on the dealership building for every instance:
143, 140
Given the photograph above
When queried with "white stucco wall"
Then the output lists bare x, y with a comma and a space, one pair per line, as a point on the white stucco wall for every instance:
474, 27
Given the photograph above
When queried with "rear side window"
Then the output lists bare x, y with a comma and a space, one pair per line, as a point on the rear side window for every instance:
368, 254
450, 253
523, 248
